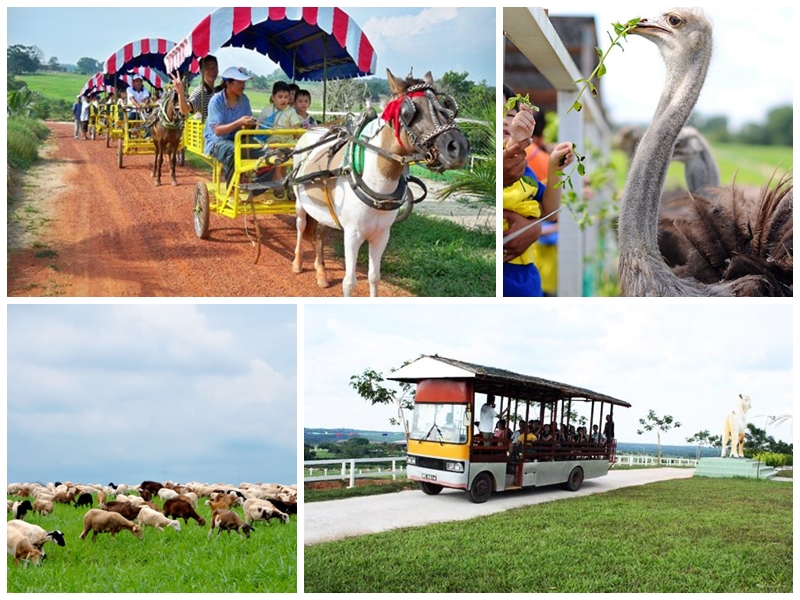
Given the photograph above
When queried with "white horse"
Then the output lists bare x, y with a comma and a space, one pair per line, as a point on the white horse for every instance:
356, 182
735, 427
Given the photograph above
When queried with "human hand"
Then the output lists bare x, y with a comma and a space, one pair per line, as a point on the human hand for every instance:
519, 127
177, 82
513, 164
561, 156
247, 122
513, 248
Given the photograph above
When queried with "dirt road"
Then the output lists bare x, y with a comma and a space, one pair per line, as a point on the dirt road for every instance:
87, 228
336, 519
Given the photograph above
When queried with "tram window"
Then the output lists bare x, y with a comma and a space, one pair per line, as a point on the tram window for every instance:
439, 423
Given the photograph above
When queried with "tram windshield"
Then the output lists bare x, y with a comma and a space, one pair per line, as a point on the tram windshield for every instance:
446, 423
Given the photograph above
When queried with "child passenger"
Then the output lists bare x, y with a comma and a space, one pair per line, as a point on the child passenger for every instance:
302, 102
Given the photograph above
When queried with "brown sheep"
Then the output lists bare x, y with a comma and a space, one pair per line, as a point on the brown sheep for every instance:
224, 502
101, 521
65, 497
126, 509
20, 547
228, 520
181, 509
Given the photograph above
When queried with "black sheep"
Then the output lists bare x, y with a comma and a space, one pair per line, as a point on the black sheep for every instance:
85, 499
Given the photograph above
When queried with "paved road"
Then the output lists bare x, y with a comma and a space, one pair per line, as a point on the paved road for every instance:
336, 519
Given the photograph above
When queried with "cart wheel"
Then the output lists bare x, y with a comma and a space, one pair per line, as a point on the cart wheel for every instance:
430, 488
119, 153
573, 484
181, 157
201, 210
481, 488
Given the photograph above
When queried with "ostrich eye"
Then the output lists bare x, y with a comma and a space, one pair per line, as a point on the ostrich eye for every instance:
674, 21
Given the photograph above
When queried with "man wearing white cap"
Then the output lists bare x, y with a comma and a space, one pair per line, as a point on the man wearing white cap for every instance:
228, 112
138, 96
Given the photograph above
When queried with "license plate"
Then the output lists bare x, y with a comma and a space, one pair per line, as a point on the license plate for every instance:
428, 477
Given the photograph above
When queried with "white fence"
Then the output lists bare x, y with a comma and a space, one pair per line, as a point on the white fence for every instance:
639, 460
352, 468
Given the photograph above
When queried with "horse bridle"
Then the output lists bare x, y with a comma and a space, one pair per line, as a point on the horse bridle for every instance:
442, 116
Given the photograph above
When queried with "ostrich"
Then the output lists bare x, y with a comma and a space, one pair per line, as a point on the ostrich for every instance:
750, 256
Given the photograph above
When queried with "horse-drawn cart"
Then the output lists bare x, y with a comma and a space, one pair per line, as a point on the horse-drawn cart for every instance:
308, 44
145, 58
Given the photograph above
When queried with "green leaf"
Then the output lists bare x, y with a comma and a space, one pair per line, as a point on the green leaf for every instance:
593, 90
601, 71
577, 106
581, 169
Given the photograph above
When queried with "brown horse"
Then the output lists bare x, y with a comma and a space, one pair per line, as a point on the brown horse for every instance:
167, 131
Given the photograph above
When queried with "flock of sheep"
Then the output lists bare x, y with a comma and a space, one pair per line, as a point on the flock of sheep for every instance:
132, 509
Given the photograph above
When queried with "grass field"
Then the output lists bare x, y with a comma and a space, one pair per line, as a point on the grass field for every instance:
750, 165
164, 561
691, 535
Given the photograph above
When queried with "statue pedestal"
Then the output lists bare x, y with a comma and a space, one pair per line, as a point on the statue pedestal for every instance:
733, 467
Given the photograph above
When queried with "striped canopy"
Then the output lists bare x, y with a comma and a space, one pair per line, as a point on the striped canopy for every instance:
100, 82
307, 43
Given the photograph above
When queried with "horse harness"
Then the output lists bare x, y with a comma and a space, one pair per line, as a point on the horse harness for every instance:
344, 158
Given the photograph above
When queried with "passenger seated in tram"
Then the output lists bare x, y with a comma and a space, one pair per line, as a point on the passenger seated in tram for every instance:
582, 437
596, 434
547, 434
572, 434
502, 433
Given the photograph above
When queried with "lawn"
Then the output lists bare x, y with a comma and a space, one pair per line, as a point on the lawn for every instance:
164, 561
692, 535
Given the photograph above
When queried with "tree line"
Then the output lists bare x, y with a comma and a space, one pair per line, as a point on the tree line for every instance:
775, 131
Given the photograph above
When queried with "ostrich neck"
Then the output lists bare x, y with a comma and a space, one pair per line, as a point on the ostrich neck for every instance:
638, 221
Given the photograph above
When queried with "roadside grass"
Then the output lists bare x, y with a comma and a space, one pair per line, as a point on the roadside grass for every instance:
436, 258
164, 561
690, 535
25, 136
311, 495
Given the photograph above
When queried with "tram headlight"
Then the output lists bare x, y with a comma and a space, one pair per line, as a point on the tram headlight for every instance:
411, 460
457, 467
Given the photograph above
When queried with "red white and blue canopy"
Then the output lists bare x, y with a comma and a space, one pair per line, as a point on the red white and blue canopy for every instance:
308, 43
100, 82
145, 53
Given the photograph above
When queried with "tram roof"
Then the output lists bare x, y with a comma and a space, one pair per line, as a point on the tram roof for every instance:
491, 380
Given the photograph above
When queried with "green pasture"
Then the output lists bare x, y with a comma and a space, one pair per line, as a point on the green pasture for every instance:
163, 561
747, 165
689, 535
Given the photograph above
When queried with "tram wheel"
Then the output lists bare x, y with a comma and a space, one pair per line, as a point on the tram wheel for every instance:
430, 488
201, 209
481, 488
573, 484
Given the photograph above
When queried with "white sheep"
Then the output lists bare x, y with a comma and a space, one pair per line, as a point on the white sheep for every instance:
262, 510
166, 493
149, 517
20, 547
36, 535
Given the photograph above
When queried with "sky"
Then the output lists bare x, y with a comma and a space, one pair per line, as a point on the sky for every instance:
122, 393
686, 360
402, 37
747, 77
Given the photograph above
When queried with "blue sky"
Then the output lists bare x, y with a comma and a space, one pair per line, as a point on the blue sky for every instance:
748, 75
123, 393
436, 39
686, 360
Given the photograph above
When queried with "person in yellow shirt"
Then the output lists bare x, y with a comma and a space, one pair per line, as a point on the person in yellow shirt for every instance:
525, 199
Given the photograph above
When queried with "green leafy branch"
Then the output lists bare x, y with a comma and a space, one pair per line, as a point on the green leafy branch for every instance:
512, 102
622, 31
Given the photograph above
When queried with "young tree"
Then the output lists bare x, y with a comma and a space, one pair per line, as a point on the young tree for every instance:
370, 385
704, 438
659, 424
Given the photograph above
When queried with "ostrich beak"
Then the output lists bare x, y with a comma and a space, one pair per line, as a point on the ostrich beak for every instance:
648, 28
